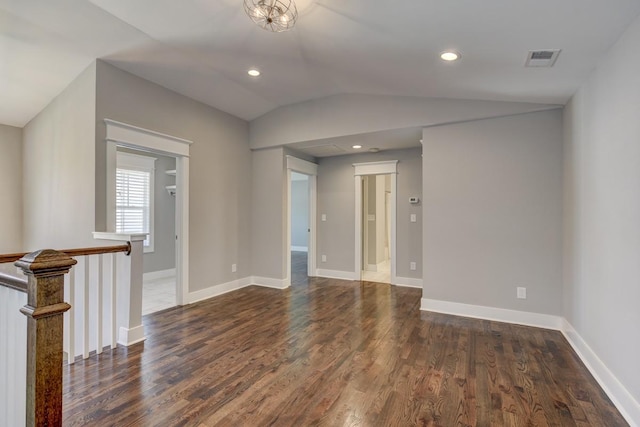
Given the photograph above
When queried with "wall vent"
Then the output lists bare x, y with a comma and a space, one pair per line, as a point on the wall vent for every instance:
542, 58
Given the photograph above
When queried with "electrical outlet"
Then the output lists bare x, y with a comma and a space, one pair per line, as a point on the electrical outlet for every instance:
412, 265
323, 217
234, 268
522, 293
324, 258
412, 218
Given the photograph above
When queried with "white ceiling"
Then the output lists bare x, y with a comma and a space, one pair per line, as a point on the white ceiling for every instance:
202, 49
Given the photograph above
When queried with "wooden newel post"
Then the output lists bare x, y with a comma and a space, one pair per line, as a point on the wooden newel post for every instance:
45, 307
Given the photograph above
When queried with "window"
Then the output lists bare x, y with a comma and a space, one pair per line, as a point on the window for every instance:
134, 195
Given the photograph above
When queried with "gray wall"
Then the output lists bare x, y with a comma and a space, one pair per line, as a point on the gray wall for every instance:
269, 215
220, 169
11, 189
352, 114
58, 169
300, 212
163, 256
602, 212
493, 212
336, 199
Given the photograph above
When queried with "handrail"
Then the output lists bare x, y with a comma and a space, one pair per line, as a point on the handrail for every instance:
13, 282
75, 252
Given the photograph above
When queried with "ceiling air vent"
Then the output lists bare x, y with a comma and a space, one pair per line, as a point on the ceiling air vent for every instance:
542, 58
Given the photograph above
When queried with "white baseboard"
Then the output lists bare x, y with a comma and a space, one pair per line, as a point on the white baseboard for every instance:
337, 274
131, 336
269, 282
619, 395
300, 248
155, 275
216, 290
408, 282
234, 285
527, 318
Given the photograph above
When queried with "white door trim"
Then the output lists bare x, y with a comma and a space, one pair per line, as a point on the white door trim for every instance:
375, 168
310, 169
126, 135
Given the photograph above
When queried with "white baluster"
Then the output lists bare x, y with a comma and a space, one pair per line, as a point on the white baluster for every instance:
65, 319
99, 310
85, 309
114, 320
72, 317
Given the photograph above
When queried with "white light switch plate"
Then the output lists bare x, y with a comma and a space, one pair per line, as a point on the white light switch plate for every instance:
522, 293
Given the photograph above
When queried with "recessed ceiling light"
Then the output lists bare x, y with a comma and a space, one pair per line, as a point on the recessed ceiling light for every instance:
253, 72
449, 55
356, 146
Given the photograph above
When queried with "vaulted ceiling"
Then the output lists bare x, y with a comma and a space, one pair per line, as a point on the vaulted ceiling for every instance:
203, 49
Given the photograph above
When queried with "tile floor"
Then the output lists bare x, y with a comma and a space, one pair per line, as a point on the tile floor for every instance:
383, 275
158, 294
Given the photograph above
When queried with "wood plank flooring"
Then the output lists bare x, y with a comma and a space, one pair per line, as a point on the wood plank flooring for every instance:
333, 353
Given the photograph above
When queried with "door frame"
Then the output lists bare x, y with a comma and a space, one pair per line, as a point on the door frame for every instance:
389, 167
310, 169
125, 135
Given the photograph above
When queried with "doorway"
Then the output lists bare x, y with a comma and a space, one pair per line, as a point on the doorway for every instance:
301, 220
300, 228
145, 202
125, 136
376, 228
387, 170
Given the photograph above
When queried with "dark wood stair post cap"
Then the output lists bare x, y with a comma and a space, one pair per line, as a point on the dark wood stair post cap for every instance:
43, 301
45, 262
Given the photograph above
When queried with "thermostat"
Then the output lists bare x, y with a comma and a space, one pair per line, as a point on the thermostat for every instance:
414, 200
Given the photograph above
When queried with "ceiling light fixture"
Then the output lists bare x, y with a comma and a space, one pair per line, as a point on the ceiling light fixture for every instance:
253, 72
272, 15
356, 146
449, 55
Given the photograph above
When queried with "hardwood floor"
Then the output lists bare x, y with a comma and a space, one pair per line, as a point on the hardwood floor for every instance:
332, 353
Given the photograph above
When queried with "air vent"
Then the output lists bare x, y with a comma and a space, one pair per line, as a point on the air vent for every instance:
542, 58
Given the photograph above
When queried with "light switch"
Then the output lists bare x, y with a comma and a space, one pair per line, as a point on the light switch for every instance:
522, 293
413, 217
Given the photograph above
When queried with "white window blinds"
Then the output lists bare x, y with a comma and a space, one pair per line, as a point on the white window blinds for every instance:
134, 196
